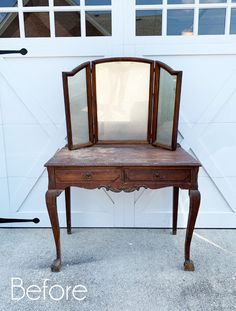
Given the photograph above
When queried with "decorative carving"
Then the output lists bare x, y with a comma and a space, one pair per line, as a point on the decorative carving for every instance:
123, 187
128, 187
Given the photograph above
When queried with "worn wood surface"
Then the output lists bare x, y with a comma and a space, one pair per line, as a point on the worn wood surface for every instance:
122, 168
121, 155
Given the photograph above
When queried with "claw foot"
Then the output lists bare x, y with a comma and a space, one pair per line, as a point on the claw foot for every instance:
56, 265
188, 265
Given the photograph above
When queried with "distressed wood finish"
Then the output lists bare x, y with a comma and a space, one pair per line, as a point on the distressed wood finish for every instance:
68, 209
65, 76
195, 198
175, 209
121, 155
122, 168
90, 67
125, 165
51, 201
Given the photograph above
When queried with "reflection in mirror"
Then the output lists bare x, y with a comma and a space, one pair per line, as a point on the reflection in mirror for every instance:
67, 24
8, 3
148, 22
9, 25
97, 2
66, 2
122, 90
212, 1
180, 1
138, 2
98, 23
35, 2
78, 101
166, 107
233, 21
180, 22
211, 21
37, 24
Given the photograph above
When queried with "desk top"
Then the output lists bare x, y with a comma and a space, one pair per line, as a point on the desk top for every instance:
122, 155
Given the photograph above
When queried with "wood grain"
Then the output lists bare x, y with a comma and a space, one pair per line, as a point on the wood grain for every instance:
122, 155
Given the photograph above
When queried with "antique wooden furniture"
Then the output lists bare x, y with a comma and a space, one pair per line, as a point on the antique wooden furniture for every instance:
122, 121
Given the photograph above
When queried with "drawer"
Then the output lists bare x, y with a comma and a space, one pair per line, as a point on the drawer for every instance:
87, 175
157, 175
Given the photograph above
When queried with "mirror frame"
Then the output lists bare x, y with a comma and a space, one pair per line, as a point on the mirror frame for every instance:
178, 74
155, 67
65, 76
150, 101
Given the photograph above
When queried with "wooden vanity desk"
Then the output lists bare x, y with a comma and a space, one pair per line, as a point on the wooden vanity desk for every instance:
125, 166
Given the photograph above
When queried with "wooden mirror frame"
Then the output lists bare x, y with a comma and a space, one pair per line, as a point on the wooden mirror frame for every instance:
149, 125
152, 108
65, 76
178, 74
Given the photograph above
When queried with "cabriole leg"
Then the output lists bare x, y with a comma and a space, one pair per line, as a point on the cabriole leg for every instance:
51, 201
195, 198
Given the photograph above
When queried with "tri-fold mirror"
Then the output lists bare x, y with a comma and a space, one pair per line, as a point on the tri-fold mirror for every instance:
122, 101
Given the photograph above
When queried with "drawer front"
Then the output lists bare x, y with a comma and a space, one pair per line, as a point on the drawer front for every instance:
87, 175
154, 175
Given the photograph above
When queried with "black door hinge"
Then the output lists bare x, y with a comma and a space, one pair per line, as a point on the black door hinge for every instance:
22, 51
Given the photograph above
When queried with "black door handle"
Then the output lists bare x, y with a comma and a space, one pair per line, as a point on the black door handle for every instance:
22, 51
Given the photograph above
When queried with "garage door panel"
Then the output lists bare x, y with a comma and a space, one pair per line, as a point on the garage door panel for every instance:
33, 169
24, 144
4, 195
227, 113
206, 86
34, 201
200, 149
3, 167
154, 200
14, 79
212, 199
222, 149
46, 84
92, 208
227, 188
90, 201
13, 109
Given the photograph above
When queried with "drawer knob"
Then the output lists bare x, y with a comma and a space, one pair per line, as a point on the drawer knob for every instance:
156, 174
88, 175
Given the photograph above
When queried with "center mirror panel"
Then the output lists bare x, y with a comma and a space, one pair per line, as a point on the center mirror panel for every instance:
123, 101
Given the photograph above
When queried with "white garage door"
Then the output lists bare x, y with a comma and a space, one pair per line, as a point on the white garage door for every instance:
197, 37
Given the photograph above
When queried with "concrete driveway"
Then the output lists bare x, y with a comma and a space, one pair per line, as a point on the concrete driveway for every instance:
117, 270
